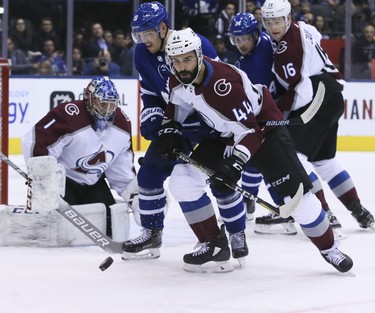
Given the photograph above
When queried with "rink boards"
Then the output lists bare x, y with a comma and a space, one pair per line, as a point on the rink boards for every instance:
31, 98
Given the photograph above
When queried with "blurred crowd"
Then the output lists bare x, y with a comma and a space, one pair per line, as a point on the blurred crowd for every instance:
39, 49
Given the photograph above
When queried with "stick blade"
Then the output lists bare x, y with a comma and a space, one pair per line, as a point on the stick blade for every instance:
288, 208
315, 104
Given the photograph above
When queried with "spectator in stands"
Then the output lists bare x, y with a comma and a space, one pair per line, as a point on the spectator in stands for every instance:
258, 16
325, 8
321, 26
127, 65
223, 22
119, 45
200, 14
296, 10
360, 17
19, 63
79, 40
225, 55
363, 52
308, 18
251, 5
97, 42
102, 65
46, 32
45, 69
78, 62
22, 35
108, 37
52, 56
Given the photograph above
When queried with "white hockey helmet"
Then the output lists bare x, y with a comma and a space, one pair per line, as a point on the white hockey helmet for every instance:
181, 42
276, 8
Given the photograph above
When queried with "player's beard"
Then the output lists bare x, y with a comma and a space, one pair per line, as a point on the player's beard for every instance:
188, 76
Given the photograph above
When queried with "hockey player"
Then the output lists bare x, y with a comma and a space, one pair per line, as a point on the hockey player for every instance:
227, 100
256, 61
256, 57
150, 31
300, 64
91, 138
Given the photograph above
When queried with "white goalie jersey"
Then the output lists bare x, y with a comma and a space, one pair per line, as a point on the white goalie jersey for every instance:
67, 134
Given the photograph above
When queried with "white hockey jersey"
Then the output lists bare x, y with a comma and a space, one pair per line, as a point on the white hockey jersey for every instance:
66, 133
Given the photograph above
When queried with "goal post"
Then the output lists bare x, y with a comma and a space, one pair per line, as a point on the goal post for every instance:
4, 128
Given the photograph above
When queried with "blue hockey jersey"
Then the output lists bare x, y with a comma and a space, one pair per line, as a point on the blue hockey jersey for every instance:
258, 65
153, 75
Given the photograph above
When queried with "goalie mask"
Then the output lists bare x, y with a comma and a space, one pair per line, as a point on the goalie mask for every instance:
181, 42
102, 100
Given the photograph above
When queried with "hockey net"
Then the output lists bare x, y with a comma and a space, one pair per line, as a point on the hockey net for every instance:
4, 127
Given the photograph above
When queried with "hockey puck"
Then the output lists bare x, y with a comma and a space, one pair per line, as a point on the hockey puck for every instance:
106, 263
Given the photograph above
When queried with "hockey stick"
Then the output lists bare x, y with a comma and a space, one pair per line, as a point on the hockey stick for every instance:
284, 210
76, 218
306, 116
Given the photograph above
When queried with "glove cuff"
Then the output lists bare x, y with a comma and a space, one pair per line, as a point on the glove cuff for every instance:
242, 153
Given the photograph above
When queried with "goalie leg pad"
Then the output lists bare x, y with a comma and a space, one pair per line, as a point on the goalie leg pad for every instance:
46, 182
20, 227
120, 221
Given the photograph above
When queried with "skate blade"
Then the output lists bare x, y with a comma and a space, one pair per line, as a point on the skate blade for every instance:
338, 234
277, 229
249, 217
242, 262
143, 255
209, 267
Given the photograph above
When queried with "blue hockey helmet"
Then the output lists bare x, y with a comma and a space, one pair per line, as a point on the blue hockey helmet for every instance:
148, 16
243, 24
102, 97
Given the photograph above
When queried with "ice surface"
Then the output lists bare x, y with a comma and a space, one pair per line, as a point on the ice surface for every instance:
283, 273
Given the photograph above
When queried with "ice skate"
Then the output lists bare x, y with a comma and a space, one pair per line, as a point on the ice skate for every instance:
336, 226
239, 246
274, 224
250, 208
146, 246
364, 218
210, 257
337, 259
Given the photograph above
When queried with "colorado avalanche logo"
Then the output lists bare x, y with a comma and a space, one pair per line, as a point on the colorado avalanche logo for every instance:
222, 88
71, 109
281, 47
96, 163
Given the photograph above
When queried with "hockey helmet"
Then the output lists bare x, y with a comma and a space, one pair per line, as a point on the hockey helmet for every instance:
101, 96
148, 16
243, 24
181, 42
276, 8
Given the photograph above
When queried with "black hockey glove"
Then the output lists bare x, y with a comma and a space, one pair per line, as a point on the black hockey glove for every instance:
229, 171
169, 139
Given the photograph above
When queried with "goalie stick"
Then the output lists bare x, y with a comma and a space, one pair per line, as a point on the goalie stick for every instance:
76, 218
306, 116
284, 210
